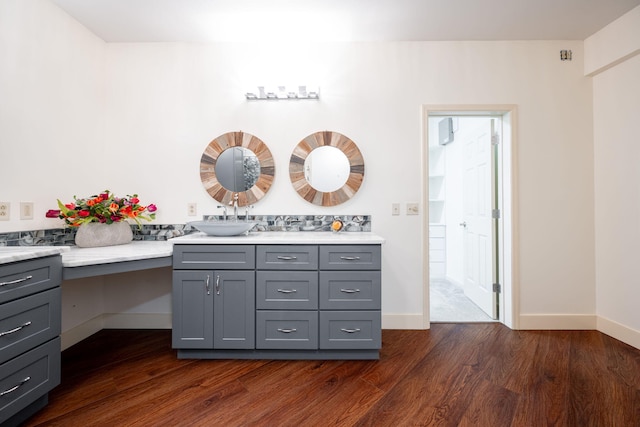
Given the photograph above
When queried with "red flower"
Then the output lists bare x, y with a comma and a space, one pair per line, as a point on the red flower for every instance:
84, 213
134, 200
53, 213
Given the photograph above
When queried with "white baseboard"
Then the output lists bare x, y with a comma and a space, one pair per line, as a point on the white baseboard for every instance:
618, 331
558, 321
402, 321
115, 321
137, 320
80, 332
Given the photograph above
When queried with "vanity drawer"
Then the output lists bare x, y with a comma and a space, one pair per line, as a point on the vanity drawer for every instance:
349, 330
223, 257
28, 277
287, 257
26, 378
287, 290
348, 257
289, 330
29, 322
350, 290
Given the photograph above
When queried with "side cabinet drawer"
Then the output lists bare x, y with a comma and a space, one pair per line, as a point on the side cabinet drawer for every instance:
29, 322
350, 330
27, 277
350, 290
287, 290
287, 257
225, 257
347, 257
27, 377
290, 330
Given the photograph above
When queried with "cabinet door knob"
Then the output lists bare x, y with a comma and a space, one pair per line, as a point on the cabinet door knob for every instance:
207, 285
218, 284
16, 329
13, 282
15, 387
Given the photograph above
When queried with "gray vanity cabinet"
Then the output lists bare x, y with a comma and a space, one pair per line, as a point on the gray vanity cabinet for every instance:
350, 297
29, 336
287, 297
213, 309
282, 301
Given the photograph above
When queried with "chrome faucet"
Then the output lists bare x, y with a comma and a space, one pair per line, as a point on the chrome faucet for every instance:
234, 203
224, 211
246, 212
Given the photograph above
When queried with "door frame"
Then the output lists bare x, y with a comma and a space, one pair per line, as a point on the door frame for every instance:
509, 298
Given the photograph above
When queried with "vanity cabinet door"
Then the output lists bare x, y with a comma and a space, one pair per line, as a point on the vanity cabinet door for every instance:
234, 311
192, 324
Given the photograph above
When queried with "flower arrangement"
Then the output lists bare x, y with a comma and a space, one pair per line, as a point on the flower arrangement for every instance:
103, 208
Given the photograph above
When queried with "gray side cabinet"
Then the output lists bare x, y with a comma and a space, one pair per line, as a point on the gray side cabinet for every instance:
277, 301
29, 336
213, 309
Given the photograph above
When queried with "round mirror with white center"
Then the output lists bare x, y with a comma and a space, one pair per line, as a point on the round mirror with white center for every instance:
326, 168
237, 163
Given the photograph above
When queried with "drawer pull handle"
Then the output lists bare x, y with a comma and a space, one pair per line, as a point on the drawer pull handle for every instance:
287, 258
13, 282
350, 331
287, 291
218, 284
350, 291
14, 330
15, 387
287, 331
350, 258
207, 285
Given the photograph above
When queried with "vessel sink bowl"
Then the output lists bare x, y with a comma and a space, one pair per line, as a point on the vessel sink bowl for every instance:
223, 228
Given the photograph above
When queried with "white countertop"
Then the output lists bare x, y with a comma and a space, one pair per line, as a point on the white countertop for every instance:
21, 253
73, 256
283, 238
79, 257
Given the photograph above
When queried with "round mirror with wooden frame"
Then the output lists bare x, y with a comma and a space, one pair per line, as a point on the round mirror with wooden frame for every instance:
323, 176
248, 168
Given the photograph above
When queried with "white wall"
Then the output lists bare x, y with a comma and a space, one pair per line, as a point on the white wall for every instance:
616, 99
165, 102
52, 78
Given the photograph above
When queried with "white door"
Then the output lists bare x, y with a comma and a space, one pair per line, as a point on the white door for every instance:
477, 217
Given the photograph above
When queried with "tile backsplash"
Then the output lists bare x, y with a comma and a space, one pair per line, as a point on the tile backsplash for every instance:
266, 223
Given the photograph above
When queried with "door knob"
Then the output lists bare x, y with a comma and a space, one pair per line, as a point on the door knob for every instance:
463, 224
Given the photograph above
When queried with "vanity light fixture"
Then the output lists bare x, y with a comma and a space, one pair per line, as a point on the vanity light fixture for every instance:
265, 93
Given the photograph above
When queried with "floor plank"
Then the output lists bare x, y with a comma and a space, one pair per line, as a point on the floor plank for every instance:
450, 375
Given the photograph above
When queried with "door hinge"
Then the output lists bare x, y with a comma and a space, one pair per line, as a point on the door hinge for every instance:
495, 139
497, 288
495, 214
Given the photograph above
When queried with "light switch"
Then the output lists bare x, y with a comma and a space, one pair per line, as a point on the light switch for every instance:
413, 209
26, 210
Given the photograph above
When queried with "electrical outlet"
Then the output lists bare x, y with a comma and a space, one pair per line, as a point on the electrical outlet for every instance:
412, 209
395, 209
26, 210
192, 209
5, 211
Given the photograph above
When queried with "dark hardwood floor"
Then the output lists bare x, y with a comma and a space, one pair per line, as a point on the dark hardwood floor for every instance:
451, 375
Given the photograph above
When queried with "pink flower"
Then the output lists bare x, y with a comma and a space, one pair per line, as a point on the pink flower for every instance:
53, 213
134, 200
152, 208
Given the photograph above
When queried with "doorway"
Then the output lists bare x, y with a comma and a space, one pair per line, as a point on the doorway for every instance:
467, 267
